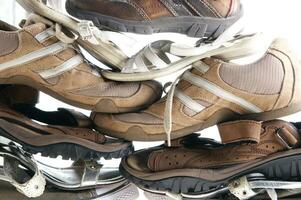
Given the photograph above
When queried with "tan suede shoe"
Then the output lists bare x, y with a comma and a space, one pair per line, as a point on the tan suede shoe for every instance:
212, 92
204, 18
34, 57
195, 165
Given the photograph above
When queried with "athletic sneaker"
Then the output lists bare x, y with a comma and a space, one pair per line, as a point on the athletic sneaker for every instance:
205, 18
194, 166
214, 91
35, 57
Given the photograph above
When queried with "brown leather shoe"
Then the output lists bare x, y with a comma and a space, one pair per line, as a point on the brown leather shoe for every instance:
194, 165
205, 18
215, 91
33, 57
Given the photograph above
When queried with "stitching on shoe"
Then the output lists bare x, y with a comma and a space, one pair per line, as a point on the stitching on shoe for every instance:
212, 9
139, 10
170, 8
183, 6
192, 7
239, 122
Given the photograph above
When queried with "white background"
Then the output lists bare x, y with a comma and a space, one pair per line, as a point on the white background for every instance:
276, 17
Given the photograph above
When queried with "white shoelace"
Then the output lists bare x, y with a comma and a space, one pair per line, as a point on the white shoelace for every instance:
56, 30
193, 105
85, 30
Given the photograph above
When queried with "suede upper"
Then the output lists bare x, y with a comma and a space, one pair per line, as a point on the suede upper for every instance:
64, 73
225, 89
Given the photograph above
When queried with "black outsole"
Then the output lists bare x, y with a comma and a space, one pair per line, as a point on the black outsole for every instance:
75, 152
69, 150
286, 169
199, 27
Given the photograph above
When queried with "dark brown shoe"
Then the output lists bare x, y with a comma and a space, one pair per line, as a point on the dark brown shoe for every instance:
194, 165
204, 18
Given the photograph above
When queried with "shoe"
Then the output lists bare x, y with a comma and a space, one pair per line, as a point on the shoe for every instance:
256, 152
32, 57
213, 92
85, 33
193, 18
65, 132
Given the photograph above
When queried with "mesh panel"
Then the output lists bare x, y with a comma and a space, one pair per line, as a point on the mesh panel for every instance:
263, 77
9, 43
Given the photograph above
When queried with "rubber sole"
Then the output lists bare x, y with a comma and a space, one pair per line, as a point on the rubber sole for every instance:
118, 192
286, 169
226, 196
191, 26
69, 150
138, 134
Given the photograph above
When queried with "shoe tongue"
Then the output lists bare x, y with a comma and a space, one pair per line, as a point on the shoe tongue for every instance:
35, 29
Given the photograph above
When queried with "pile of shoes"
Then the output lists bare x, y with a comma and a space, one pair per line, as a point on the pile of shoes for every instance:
258, 156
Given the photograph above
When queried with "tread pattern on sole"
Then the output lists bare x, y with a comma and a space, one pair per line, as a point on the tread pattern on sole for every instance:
75, 152
188, 27
69, 150
286, 169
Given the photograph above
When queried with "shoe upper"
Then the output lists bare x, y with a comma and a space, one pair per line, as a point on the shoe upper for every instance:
34, 56
214, 88
145, 10
271, 137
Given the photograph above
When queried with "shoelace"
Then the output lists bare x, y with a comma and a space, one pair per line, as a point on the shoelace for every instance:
57, 31
154, 57
57, 28
187, 101
87, 31
84, 30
